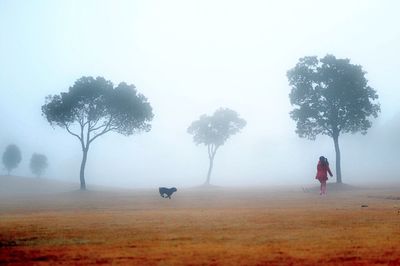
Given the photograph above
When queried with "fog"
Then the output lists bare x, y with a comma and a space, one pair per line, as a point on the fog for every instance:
190, 58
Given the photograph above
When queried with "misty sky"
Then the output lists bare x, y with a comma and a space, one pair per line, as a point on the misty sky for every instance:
189, 58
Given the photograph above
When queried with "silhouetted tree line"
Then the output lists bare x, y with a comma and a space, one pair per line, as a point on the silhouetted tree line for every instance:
12, 158
330, 97
93, 107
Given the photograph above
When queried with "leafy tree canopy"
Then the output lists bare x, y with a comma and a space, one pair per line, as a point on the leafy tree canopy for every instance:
11, 157
96, 105
38, 163
216, 129
331, 96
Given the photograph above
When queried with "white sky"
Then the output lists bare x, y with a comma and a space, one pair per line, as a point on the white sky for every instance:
189, 58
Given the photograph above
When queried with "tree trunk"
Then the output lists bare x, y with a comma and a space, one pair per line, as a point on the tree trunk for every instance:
82, 172
337, 151
209, 171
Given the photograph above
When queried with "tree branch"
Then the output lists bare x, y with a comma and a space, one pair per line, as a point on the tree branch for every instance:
76, 135
70, 132
80, 119
88, 136
82, 142
215, 150
328, 129
106, 129
94, 123
101, 133
97, 128
86, 123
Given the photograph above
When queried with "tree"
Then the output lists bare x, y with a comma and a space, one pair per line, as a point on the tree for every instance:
213, 131
11, 157
93, 107
38, 164
331, 97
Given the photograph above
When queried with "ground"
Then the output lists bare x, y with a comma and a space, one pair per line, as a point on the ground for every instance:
215, 226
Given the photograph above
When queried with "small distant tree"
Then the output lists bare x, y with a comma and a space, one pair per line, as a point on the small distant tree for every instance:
38, 164
11, 157
213, 131
93, 107
331, 97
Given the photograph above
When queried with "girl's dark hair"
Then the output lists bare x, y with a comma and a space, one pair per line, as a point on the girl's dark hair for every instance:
323, 160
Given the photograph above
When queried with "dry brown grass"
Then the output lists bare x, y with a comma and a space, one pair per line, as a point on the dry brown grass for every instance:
202, 227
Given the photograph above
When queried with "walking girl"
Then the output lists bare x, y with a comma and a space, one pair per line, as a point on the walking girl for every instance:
322, 173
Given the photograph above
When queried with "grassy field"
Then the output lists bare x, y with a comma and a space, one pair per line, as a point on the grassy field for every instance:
218, 226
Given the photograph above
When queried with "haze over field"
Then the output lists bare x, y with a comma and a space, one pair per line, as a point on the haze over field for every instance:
190, 58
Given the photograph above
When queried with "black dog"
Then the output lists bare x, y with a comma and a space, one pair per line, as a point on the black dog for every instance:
166, 192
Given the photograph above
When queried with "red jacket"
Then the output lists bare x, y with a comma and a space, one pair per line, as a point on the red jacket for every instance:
322, 172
